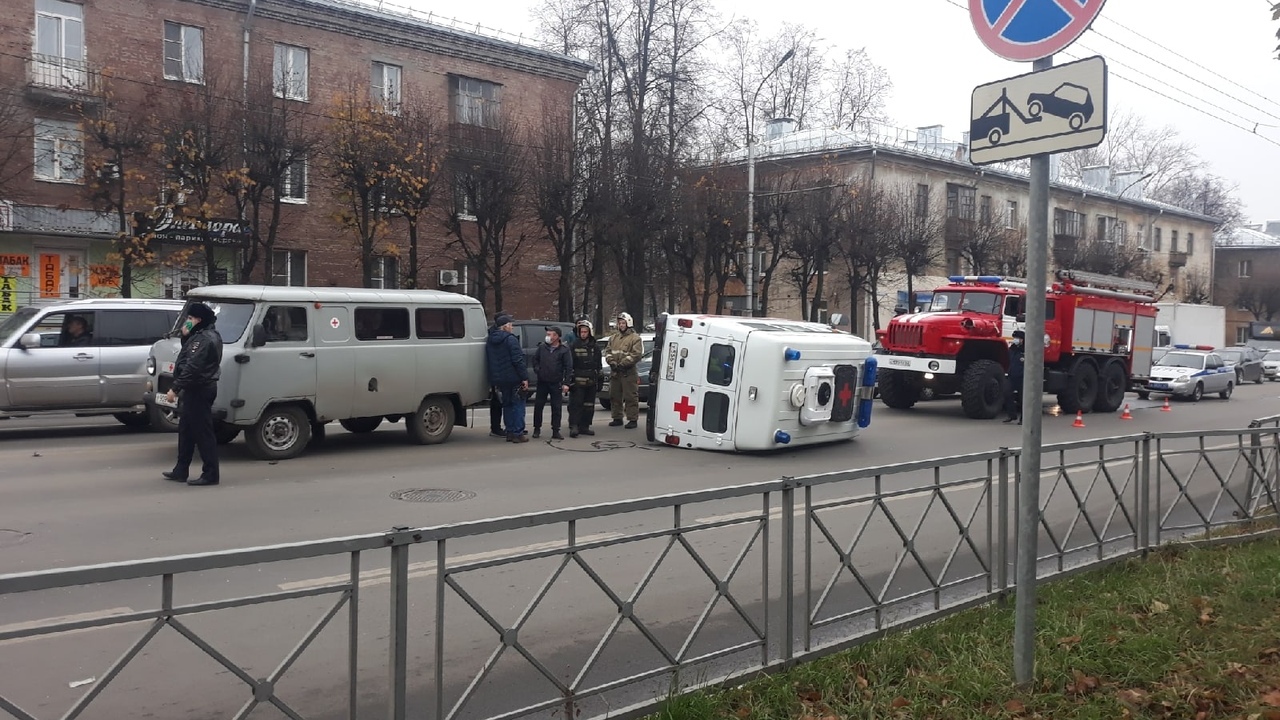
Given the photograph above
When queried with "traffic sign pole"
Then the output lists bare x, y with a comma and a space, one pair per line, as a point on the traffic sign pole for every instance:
1024, 631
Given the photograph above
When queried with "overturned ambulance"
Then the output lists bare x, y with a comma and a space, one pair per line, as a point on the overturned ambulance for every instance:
736, 383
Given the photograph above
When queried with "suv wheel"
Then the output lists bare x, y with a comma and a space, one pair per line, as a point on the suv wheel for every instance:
432, 423
281, 433
162, 419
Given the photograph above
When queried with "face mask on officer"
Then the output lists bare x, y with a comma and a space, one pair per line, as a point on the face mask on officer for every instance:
188, 326
547, 338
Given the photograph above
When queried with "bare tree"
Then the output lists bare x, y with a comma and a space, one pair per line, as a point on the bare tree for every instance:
1258, 294
413, 180
120, 171
816, 240
1122, 257
915, 237
1196, 287
360, 152
981, 241
559, 198
859, 90
1132, 144
15, 141
864, 246
1206, 194
777, 203
490, 168
277, 143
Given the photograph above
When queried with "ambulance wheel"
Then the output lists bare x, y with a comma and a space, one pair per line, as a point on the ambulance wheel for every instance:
361, 424
283, 432
896, 389
650, 427
982, 389
432, 424
1081, 391
1111, 387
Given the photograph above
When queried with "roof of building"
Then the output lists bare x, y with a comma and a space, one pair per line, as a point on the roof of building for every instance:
911, 143
395, 24
1246, 238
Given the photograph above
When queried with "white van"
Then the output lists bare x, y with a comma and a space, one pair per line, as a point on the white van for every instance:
296, 358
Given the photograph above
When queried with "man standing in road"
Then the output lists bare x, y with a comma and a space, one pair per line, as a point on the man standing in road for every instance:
495, 400
586, 380
508, 372
553, 367
1013, 396
195, 387
623, 352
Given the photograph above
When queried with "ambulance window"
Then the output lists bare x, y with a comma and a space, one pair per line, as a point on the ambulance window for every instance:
440, 323
720, 365
715, 412
376, 323
285, 324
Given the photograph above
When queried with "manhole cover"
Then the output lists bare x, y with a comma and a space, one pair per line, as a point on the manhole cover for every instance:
432, 495
9, 538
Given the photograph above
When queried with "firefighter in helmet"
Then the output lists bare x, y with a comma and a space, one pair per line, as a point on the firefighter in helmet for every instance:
624, 351
586, 379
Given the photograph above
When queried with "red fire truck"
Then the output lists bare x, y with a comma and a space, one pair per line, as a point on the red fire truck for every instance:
1099, 334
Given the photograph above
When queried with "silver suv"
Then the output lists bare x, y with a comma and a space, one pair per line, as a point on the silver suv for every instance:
86, 357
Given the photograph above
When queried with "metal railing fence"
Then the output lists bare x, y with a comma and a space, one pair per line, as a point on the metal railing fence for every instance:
765, 575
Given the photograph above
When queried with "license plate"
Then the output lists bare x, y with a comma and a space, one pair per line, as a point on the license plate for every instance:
1160, 386
162, 399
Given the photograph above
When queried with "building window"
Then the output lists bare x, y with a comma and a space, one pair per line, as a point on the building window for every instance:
922, 200
476, 102
1191, 243
183, 52
1159, 242
1173, 241
1112, 230
464, 197
385, 85
1245, 269
1242, 335
1067, 223
293, 184
960, 201
59, 151
984, 210
290, 72
1011, 217
386, 273
289, 267
59, 48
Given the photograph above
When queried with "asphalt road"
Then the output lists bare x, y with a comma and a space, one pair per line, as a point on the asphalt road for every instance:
84, 491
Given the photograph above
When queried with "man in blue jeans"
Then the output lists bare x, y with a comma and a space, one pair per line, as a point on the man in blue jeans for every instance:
509, 373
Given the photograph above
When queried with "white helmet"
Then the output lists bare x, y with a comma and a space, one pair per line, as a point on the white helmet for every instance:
626, 317
585, 323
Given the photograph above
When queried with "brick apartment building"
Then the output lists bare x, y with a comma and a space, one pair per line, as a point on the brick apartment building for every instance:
937, 177
61, 57
1247, 282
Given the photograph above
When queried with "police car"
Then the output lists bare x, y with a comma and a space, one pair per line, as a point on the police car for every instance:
1190, 372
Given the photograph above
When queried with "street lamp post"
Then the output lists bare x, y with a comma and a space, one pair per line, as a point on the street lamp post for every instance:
751, 186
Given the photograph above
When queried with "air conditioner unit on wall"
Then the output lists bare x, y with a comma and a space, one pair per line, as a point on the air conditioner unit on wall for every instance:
449, 278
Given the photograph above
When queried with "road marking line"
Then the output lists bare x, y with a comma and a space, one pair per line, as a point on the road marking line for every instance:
81, 617
382, 576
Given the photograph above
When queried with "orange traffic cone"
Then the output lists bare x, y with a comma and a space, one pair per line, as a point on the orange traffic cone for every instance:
1125, 415
1166, 407
1079, 419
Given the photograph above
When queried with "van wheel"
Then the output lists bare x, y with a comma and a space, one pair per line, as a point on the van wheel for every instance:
281, 433
982, 389
162, 419
432, 424
225, 432
133, 421
361, 424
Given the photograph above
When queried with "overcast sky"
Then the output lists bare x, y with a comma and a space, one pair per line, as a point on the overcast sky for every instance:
935, 59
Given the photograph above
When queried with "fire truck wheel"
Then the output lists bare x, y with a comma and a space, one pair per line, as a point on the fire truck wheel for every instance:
897, 390
1112, 382
982, 389
1082, 388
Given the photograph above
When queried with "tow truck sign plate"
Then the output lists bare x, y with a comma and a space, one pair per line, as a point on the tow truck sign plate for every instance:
1055, 110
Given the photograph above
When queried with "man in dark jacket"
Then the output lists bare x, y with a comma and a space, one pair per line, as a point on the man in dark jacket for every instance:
586, 380
1013, 398
195, 386
495, 400
509, 373
553, 367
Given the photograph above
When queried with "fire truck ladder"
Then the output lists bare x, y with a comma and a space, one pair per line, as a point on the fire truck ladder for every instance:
1083, 282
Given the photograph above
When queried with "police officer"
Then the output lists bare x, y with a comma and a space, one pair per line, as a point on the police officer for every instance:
1013, 398
586, 380
624, 351
195, 386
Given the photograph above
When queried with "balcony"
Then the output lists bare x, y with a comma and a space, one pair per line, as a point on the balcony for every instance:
1177, 259
62, 78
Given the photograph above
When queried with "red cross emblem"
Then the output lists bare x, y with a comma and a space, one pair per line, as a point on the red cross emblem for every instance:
845, 394
684, 409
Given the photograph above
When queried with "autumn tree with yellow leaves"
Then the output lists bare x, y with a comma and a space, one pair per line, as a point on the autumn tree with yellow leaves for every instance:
361, 156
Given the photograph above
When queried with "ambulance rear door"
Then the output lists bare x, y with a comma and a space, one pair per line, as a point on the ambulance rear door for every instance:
702, 400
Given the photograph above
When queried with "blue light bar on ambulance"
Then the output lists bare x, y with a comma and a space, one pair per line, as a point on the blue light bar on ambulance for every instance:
869, 368
781, 437
991, 279
792, 354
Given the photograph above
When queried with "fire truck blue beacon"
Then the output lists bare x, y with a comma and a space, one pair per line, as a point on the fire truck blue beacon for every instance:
751, 384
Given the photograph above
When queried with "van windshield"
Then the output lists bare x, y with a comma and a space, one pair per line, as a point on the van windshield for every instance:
16, 321
233, 317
